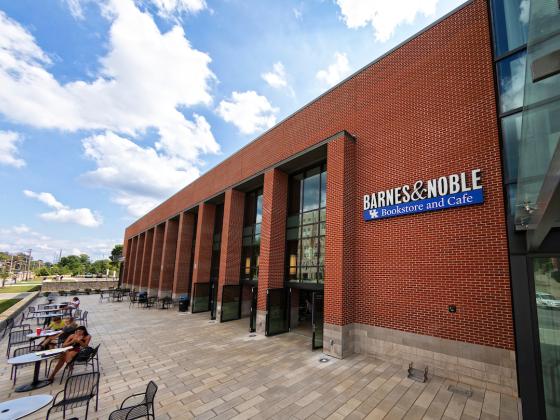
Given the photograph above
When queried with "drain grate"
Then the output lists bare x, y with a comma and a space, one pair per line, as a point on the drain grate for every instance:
323, 360
459, 390
252, 335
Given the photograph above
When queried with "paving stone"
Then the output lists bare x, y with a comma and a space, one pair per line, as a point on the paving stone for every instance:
214, 371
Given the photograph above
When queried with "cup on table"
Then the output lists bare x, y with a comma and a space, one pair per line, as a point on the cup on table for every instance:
38, 331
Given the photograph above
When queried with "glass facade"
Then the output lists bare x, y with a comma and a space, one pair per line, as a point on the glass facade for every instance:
217, 244
510, 19
250, 252
546, 272
305, 235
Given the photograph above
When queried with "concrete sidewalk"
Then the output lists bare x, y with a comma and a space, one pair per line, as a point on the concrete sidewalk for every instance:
210, 370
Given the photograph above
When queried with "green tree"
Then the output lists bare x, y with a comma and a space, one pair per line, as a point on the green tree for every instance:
116, 253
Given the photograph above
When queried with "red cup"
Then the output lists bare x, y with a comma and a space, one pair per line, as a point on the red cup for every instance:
38, 331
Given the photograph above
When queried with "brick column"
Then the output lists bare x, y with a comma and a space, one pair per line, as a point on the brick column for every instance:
138, 261
127, 253
155, 265
203, 246
232, 235
131, 262
146, 260
273, 238
183, 258
339, 249
168, 257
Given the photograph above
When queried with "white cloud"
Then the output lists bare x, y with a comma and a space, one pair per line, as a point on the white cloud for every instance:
62, 213
21, 238
141, 177
143, 81
277, 77
336, 71
248, 111
8, 149
167, 8
75, 7
524, 9
383, 15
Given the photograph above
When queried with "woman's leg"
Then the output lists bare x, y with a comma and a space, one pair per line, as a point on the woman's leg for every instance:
65, 358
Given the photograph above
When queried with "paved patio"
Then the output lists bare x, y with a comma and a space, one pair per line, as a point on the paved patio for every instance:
209, 370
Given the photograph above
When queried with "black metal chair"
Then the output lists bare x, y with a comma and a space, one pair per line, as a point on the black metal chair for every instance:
145, 408
150, 302
92, 360
8, 327
78, 391
18, 335
82, 318
24, 350
102, 296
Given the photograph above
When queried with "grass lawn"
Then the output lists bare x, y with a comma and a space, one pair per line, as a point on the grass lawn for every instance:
19, 289
6, 303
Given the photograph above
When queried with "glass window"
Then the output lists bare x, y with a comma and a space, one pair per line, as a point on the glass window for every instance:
511, 81
259, 208
546, 273
510, 19
251, 235
305, 226
311, 190
511, 135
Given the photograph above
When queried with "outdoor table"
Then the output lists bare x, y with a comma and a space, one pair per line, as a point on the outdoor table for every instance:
46, 310
55, 305
34, 336
21, 407
36, 315
36, 358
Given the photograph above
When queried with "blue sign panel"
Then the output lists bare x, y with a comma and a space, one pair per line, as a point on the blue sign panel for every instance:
459, 199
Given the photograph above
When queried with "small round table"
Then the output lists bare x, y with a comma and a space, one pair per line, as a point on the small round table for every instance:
34, 358
21, 407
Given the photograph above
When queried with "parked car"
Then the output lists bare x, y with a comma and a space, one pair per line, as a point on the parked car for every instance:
546, 300
88, 276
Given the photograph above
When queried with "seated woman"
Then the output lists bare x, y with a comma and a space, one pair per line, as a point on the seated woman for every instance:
79, 340
68, 328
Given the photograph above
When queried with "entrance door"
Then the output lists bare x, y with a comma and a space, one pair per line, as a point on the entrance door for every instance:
253, 315
277, 311
317, 320
546, 274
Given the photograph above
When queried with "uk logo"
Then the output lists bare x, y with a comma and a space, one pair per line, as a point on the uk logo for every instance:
373, 214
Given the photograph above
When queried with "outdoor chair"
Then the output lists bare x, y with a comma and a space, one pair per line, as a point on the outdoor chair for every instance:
21, 351
30, 312
105, 296
142, 409
92, 360
8, 327
76, 314
78, 391
150, 302
82, 318
18, 335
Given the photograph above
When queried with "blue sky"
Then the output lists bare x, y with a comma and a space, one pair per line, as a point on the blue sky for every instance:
108, 107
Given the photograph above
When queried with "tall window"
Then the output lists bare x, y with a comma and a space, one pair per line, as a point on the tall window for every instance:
251, 236
509, 24
305, 233
217, 243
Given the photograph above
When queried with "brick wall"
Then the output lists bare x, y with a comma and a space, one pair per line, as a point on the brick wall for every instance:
203, 246
146, 259
273, 234
232, 233
168, 257
138, 260
425, 110
181, 280
155, 264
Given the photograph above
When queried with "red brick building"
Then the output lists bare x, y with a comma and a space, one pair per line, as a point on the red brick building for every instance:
279, 231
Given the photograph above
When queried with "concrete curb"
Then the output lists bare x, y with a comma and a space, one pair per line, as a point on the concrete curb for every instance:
17, 309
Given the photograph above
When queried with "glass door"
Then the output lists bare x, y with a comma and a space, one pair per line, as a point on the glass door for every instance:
231, 303
317, 320
546, 274
277, 311
253, 315
201, 297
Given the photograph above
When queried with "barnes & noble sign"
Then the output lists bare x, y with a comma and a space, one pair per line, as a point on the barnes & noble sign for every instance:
456, 190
